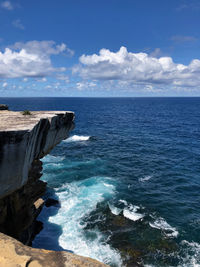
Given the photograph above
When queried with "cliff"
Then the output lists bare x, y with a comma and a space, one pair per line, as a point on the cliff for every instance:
24, 139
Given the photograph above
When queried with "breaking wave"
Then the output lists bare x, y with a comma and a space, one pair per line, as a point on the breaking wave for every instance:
78, 199
77, 138
161, 224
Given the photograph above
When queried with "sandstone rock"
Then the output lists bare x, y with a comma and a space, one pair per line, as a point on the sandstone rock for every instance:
39, 204
19, 210
26, 138
23, 140
3, 107
15, 254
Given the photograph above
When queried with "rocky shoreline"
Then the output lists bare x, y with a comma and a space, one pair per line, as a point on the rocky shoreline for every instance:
24, 139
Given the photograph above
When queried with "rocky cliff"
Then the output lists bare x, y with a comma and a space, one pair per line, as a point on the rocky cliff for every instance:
24, 139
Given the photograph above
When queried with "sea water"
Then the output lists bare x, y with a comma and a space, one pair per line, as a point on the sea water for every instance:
127, 178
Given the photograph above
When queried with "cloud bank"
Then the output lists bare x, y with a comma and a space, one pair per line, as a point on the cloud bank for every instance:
31, 59
138, 68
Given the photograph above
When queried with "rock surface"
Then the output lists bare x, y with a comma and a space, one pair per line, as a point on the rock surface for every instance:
3, 107
15, 254
19, 210
25, 138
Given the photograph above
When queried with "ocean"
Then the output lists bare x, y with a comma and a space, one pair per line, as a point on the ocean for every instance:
127, 178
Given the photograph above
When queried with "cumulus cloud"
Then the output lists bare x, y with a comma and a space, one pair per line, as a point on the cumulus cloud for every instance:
138, 68
18, 24
7, 5
31, 59
43, 47
156, 53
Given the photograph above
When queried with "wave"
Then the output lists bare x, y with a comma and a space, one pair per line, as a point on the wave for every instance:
114, 210
77, 138
191, 252
161, 224
144, 179
78, 199
129, 211
52, 159
188, 255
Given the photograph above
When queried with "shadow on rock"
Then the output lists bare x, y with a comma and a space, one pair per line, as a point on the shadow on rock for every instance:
48, 238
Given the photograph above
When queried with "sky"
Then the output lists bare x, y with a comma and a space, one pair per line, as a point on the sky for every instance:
99, 48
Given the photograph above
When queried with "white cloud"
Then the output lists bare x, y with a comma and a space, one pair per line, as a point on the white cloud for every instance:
63, 77
138, 68
48, 86
43, 47
156, 53
7, 5
42, 80
85, 85
5, 84
31, 59
18, 24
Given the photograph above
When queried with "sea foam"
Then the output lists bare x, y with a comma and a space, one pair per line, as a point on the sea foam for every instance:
161, 224
78, 199
129, 211
191, 252
145, 178
77, 138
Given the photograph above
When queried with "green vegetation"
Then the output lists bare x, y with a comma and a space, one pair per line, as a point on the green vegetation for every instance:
26, 112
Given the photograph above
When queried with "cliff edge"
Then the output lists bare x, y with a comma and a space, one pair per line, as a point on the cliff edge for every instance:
24, 139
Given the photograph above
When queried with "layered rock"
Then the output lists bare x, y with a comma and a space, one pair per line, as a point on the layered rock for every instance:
24, 139
19, 210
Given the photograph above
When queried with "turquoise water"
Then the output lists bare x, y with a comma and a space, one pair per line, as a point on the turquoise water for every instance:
128, 180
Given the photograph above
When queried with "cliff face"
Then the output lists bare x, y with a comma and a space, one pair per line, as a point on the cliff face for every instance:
24, 139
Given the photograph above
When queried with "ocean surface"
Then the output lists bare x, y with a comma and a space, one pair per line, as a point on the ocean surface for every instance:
127, 178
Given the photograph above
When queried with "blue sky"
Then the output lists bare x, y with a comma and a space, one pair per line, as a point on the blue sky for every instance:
100, 48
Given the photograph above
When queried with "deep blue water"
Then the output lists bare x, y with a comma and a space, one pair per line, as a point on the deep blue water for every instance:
128, 180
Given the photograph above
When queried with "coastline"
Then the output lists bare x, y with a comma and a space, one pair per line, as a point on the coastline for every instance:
24, 139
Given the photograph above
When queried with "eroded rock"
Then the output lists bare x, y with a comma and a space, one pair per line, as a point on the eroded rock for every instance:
15, 254
3, 107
